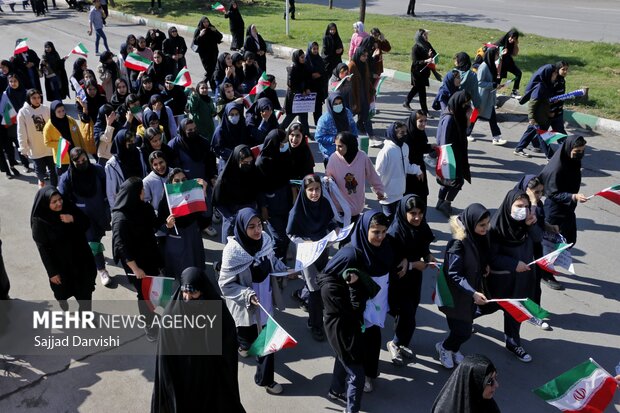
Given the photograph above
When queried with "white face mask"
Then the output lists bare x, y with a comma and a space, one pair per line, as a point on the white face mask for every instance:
284, 148
338, 108
519, 214
234, 119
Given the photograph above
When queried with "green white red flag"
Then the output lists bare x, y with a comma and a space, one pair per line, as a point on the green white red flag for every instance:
612, 193
21, 46
474, 115
586, 388
262, 84
9, 116
185, 198
183, 78
446, 162
546, 262
442, 295
271, 339
550, 136
256, 150
564, 258
61, 150
136, 62
219, 7
434, 63
79, 50
157, 291
522, 310
336, 85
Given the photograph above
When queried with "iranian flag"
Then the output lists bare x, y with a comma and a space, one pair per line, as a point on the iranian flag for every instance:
157, 291
612, 193
586, 388
271, 339
183, 78
61, 151
79, 50
262, 84
433, 64
256, 150
278, 113
21, 46
522, 310
9, 116
219, 7
136, 62
546, 262
336, 85
550, 136
564, 258
442, 295
185, 198
446, 163
137, 112
474, 115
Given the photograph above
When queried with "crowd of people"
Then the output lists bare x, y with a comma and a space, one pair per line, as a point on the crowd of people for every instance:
138, 130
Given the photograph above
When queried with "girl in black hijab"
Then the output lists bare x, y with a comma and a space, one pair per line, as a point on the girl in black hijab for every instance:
206, 39
261, 120
254, 43
153, 141
511, 249
134, 244
470, 388
247, 262
236, 187
318, 75
232, 131
15, 93
121, 91
126, 162
147, 89
562, 180
452, 129
57, 65
196, 382
302, 160
58, 229
298, 82
274, 165
460, 279
79, 66
174, 47
418, 144
332, 49
422, 54
310, 219
224, 72
236, 25
238, 80
510, 43
412, 239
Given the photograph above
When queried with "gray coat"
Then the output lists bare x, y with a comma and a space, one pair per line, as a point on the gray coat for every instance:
470, 85
488, 94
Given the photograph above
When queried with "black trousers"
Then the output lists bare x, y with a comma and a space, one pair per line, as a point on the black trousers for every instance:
407, 292
460, 332
264, 365
411, 7
5, 284
509, 66
421, 89
372, 348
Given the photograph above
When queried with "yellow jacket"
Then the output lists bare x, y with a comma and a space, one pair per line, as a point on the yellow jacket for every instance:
51, 137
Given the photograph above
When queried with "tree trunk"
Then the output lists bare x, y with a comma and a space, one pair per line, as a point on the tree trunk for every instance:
331, 4
362, 10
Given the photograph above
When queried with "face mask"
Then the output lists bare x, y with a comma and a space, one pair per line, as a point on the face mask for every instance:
284, 148
233, 119
81, 166
131, 146
192, 135
338, 108
578, 155
245, 167
519, 214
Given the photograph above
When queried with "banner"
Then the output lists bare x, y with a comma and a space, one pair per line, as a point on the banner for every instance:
304, 103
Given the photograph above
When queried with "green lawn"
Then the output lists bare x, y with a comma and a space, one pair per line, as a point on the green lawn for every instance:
595, 65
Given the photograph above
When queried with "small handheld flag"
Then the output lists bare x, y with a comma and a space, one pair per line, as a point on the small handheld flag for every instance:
612, 194
442, 295
522, 310
546, 262
183, 78
446, 162
9, 116
157, 291
61, 150
185, 198
79, 50
218, 7
136, 62
21, 46
550, 136
474, 115
336, 85
433, 64
272, 338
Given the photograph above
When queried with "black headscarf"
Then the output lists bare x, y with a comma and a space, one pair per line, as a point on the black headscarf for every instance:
469, 218
78, 72
220, 68
129, 159
274, 166
17, 96
417, 140
489, 59
540, 85
128, 198
421, 41
148, 118
563, 173
62, 124
455, 106
235, 187
341, 119
462, 393
390, 135
244, 216
295, 57
41, 207
307, 219
338, 68
195, 147
83, 183
504, 228
333, 40
407, 234
362, 67
463, 61
378, 260
314, 60
117, 99
302, 160
350, 141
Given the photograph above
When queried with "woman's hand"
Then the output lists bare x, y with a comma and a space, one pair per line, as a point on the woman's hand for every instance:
55, 280
522, 267
230, 72
170, 221
254, 300
110, 119
381, 196
479, 298
66, 218
402, 268
580, 198
139, 273
419, 265
202, 183
530, 219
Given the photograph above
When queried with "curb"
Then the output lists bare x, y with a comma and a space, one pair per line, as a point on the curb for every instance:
576, 119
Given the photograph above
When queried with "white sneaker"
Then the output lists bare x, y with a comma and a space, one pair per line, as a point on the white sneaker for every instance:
497, 140
368, 386
540, 323
243, 352
210, 231
458, 357
397, 358
471, 139
105, 277
217, 217
274, 388
445, 356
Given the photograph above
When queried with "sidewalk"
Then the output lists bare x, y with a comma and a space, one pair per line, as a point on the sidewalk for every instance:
576, 119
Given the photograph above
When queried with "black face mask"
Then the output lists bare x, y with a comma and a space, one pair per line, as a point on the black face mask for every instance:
81, 166
193, 135
131, 146
245, 167
578, 155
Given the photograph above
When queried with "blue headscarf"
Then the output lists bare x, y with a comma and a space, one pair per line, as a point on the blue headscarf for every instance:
390, 134
447, 88
309, 219
540, 85
378, 260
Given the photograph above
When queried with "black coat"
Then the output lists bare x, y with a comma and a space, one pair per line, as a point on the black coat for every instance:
207, 44
237, 27
250, 46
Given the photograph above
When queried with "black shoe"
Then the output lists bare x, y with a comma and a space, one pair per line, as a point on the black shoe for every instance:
317, 334
406, 105
297, 297
333, 396
15, 171
552, 283
519, 352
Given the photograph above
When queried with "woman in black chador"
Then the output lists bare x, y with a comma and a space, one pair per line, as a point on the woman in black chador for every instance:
236, 25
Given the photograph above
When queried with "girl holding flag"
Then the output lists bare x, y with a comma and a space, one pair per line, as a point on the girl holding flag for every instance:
247, 262
61, 126
422, 56
459, 282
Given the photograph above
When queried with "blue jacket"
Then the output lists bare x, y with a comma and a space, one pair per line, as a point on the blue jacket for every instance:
326, 132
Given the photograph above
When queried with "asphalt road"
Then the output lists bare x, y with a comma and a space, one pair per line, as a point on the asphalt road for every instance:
597, 20
585, 317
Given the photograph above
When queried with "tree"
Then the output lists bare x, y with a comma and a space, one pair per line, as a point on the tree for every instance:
362, 10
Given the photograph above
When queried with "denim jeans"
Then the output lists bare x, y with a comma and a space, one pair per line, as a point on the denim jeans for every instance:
43, 165
529, 135
99, 34
349, 378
